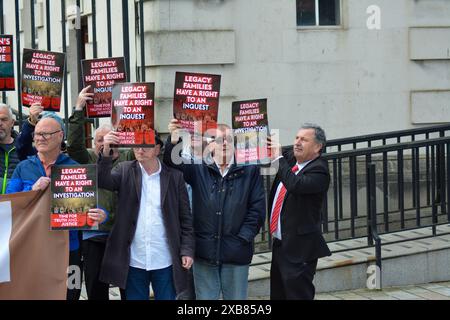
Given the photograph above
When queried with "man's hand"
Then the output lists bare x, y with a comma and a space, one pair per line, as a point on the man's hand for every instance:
174, 130
274, 146
187, 262
97, 215
83, 98
35, 110
112, 138
41, 184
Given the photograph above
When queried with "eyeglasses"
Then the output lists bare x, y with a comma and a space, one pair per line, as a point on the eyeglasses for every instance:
44, 135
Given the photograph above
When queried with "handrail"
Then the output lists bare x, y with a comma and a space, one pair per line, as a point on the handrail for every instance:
387, 148
388, 135
373, 234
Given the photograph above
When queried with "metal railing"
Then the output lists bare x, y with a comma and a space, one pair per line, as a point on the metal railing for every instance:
377, 139
411, 183
427, 155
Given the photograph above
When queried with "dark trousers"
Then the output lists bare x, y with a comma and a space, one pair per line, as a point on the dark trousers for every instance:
289, 280
75, 260
139, 280
93, 251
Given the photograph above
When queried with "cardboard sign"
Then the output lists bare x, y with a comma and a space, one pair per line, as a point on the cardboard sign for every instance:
251, 127
7, 81
42, 78
74, 193
133, 114
101, 75
196, 101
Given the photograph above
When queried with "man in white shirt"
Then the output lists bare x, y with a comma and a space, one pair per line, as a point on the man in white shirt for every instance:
152, 241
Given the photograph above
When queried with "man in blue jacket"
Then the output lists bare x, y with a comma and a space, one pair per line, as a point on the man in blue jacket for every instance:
34, 174
228, 206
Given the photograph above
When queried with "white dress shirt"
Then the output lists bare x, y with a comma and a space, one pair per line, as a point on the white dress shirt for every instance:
277, 233
150, 248
228, 167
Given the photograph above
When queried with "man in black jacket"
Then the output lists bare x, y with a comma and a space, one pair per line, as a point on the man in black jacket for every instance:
295, 203
228, 206
152, 241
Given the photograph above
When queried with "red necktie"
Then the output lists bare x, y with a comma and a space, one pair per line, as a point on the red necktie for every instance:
278, 204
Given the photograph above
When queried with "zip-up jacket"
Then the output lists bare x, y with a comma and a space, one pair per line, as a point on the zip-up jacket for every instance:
228, 211
28, 172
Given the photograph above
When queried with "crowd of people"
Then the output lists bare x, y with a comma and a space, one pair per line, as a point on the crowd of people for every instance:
185, 228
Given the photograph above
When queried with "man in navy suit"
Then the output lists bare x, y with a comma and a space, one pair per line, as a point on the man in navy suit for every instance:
295, 203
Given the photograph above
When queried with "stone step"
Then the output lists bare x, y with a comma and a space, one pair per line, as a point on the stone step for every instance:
404, 263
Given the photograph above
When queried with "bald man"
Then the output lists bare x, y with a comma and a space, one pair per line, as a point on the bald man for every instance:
34, 174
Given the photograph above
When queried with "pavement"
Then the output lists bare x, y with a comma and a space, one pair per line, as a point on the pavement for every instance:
430, 291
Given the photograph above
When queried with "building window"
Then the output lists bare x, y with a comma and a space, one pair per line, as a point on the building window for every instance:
318, 13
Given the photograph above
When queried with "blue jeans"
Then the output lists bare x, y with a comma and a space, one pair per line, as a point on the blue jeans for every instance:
230, 280
138, 284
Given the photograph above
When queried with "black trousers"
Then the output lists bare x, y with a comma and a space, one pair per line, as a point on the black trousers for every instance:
93, 251
288, 280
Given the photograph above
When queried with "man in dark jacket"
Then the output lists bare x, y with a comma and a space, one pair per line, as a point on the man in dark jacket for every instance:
152, 240
229, 208
296, 203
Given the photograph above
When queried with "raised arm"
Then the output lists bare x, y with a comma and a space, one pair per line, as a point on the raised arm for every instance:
24, 141
76, 136
172, 152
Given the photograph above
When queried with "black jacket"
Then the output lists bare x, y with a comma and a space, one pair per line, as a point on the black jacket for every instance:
302, 239
228, 212
126, 178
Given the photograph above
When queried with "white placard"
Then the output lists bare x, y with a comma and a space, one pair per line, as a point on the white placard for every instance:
5, 235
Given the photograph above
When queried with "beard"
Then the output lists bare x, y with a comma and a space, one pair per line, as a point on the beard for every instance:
3, 135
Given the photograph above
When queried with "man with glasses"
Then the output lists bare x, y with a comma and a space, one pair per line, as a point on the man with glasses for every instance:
34, 174
152, 241
228, 208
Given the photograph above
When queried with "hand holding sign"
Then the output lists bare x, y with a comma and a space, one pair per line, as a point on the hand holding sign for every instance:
174, 130
41, 184
96, 216
273, 143
35, 110
84, 97
112, 138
